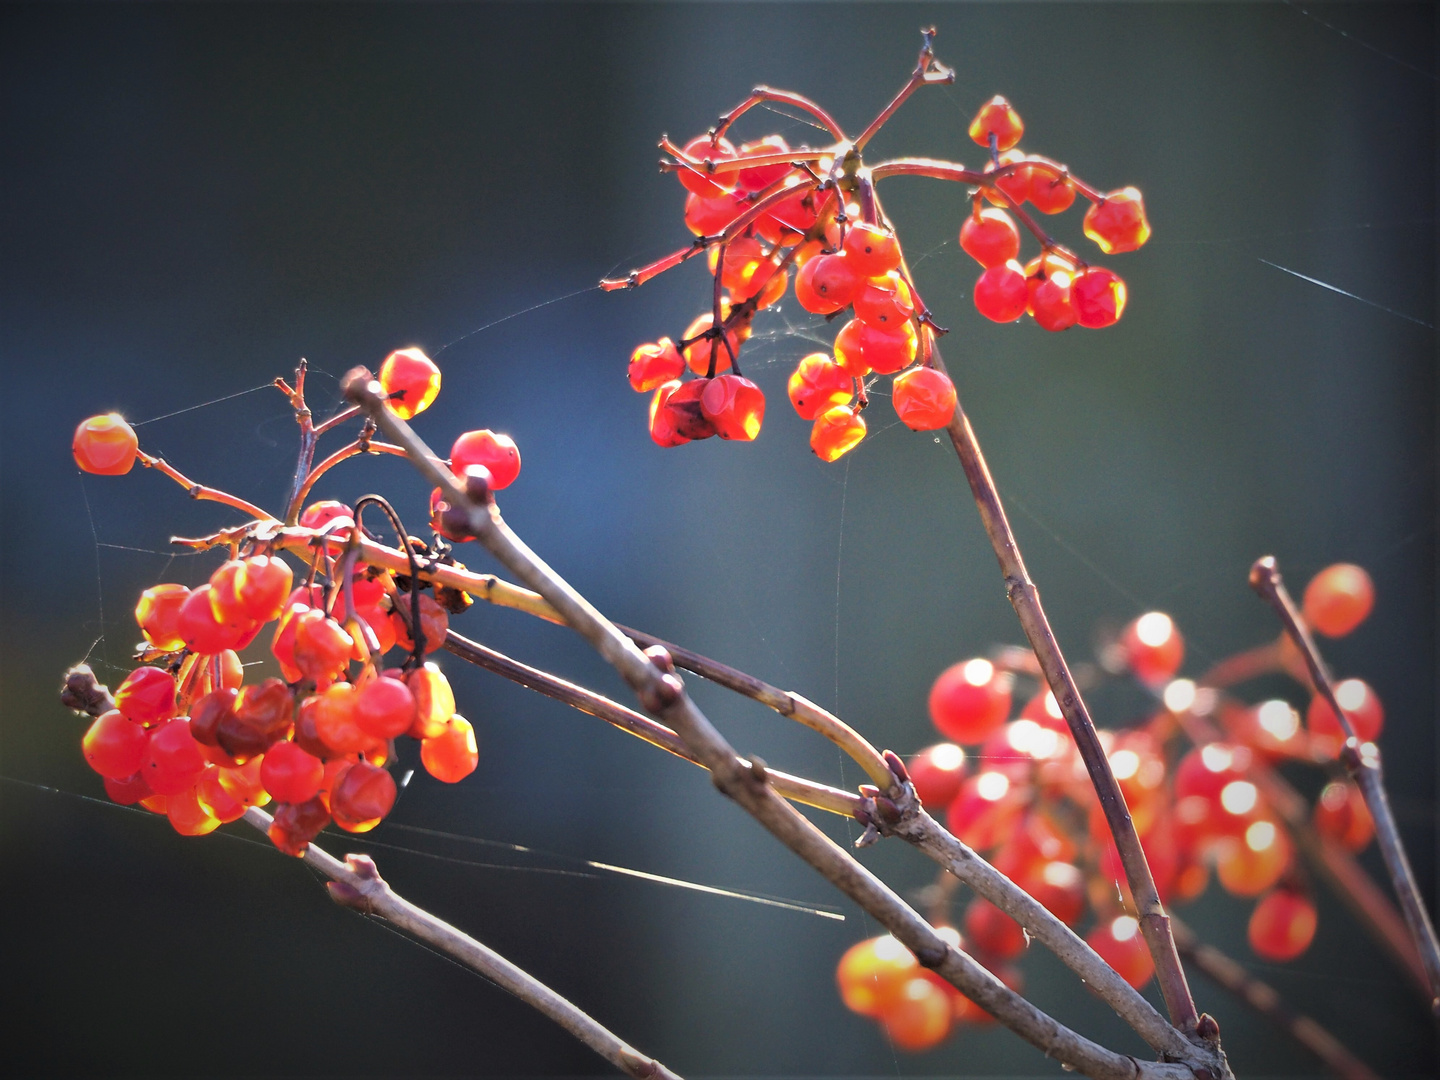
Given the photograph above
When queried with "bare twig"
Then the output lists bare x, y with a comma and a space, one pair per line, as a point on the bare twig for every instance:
927, 70
1263, 999
199, 491
1363, 765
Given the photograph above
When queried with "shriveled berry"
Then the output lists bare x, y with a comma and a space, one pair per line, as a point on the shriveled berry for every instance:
147, 696
924, 399
990, 237
498, 453
655, 363
411, 381
296, 824
735, 406
836, 432
208, 711
1001, 293
662, 429
434, 621
335, 721
970, 700
1098, 296
158, 615
262, 715
115, 746
884, 302
105, 445
818, 383
258, 590
290, 774
1338, 599
683, 411
453, 754
361, 797
1117, 222
997, 117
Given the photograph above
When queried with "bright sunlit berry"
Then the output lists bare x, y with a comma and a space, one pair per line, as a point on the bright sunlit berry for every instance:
919, 1015
1122, 946
1338, 599
990, 237
836, 432
817, 384
655, 363
872, 249
924, 399
1117, 222
158, 614
1256, 860
735, 406
105, 445
147, 696
1001, 293
886, 351
1050, 194
498, 453
434, 701
937, 773
826, 284
970, 700
453, 754
385, 708
872, 972
699, 179
114, 746
173, 759
290, 774
1341, 814
1098, 296
1362, 706
997, 117
411, 381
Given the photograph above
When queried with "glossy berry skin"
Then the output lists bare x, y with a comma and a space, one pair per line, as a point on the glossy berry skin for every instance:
1098, 296
105, 445
872, 972
987, 809
256, 592
453, 754
662, 430
290, 774
335, 724
127, 790
320, 514
322, 646
924, 399
1362, 707
887, 351
684, 412
700, 180
1001, 294
826, 284
706, 217
884, 302
434, 701
1014, 185
1117, 223
872, 250
937, 773
361, 797
1250, 864
836, 432
207, 713
1282, 925
173, 759
202, 633
115, 746
849, 353
817, 384
434, 622
411, 381
1051, 302
215, 799
158, 613
735, 407
1153, 648
999, 118
970, 700
1050, 194
655, 363
147, 696
498, 453
1338, 599
990, 237
992, 931
188, 815
699, 352
1341, 814
759, 177
385, 708
296, 824
920, 1014
1121, 945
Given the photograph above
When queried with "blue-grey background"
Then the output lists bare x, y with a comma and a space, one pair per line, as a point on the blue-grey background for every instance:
195, 196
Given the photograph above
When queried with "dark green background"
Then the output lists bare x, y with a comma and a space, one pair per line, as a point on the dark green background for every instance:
196, 196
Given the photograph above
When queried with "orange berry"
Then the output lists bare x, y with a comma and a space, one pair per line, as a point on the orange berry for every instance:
434, 622
997, 117
1117, 222
924, 399
662, 430
158, 614
1282, 925
434, 701
410, 380
105, 445
1338, 599
920, 1014
1001, 294
188, 815
872, 249
1362, 707
735, 406
655, 363
886, 351
837, 431
826, 284
1098, 296
872, 972
990, 237
452, 755
817, 384
1250, 864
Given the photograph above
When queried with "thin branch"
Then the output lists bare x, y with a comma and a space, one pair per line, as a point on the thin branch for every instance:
762, 94
308, 438
199, 491
1244, 666
662, 694
927, 70
1363, 765
358, 447
1263, 999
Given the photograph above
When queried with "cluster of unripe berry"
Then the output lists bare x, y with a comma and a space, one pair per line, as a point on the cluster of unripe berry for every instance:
190, 739
1022, 796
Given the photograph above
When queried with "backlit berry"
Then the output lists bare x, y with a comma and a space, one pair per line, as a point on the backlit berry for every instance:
872, 972
884, 302
385, 708
434, 701
127, 790
1098, 296
322, 646
990, 237
215, 799
704, 346
410, 380
1153, 648
759, 177
105, 445
826, 284
258, 589
920, 1015
1117, 222
147, 696
1249, 864
848, 351
1282, 925
202, 633
1050, 194
453, 754
173, 759
158, 615
1051, 301
1015, 182
296, 824
1001, 294
320, 514
683, 411
937, 773
335, 724
872, 249
1122, 946
997, 117
655, 363
115, 746
970, 700
836, 432
498, 453
924, 399
361, 797
1338, 599
188, 816
886, 351
698, 178
708, 217
662, 430
734, 405
817, 384
290, 774
261, 716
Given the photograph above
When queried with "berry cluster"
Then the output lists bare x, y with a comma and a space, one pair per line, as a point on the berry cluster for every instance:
762, 208
189, 738
1022, 797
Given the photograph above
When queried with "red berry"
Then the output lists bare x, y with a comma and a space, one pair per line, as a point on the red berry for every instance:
884, 302
452, 755
243, 783
215, 799
385, 708
742, 255
1282, 925
296, 824
115, 746
886, 351
322, 646
708, 217
662, 430
188, 816
1001, 294
992, 931
335, 724
970, 700
1341, 814
128, 790
1051, 301
207, 712
759, 177
873, 250
1122, 946
147, 696
937, 773
320, 514
361, 797
1338, 599
1050, 194
836, 432
683, 412
410, 380
498, 453
290, 774
997, 117
173, 759
261, 716
698, 179
990, 237
258, 589
1249, 864
924, 399
849, 353
826, 284
1361, 705
1098, 296
699, 352
735, 406
158, 615
817, 384
1060, 886
655, 363
920, 1014
987, 809
434, 622
1016, 183
1153, 648
105, 445
1117, 222
202, 633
